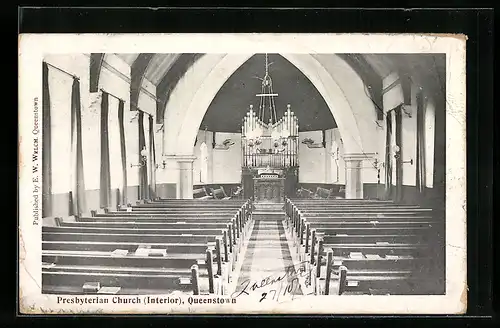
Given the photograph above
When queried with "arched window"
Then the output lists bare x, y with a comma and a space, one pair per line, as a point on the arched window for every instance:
334, 151
203, 163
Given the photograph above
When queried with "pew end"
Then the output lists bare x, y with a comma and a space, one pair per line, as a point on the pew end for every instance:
52, 221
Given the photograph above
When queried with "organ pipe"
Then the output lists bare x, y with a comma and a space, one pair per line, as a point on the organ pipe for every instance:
273, 145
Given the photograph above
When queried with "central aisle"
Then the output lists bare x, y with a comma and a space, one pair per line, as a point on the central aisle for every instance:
267, 265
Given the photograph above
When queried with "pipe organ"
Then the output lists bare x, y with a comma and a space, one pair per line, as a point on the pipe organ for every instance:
270, 145
270, 151
270, 157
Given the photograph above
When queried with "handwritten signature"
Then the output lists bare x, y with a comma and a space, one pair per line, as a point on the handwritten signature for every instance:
287, 283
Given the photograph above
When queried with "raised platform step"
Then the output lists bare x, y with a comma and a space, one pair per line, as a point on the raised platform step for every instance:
268, 213
269, 206
268, 216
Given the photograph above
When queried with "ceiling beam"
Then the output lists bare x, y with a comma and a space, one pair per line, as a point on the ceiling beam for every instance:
137, 72
95, 70
170, 80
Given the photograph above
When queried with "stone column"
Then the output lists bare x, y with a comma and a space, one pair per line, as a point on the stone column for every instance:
185, 185
353, 177
183, 171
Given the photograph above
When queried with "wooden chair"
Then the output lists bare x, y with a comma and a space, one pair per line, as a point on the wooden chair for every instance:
238, 193
304, 193
201, 193
322, 193
220, 193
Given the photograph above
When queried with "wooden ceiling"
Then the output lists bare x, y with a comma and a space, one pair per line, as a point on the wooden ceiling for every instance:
164, 70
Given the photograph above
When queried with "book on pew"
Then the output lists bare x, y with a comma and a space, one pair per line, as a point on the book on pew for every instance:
382, 243
352, 283
129, 209
374, 222
393, 257
47, 265
119, 252
399, 257
356, 255
142, 251
372, 256
379, 291
109, 290
184, 281
91, 287
157, 252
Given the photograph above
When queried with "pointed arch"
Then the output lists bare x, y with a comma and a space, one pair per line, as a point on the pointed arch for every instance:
203, 162
346, 99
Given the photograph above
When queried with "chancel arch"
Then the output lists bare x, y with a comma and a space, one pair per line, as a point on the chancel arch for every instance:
338, 84
186, 110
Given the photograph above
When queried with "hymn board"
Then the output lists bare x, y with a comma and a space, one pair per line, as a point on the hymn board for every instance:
269, 150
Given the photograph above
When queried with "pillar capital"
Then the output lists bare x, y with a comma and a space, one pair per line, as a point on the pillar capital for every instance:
180, 158
353, 166
358, 156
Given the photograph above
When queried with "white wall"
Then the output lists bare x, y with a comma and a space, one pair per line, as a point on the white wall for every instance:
114, 79
312, 160
227, 163
203, 136
224, 166
429, 127
316, 164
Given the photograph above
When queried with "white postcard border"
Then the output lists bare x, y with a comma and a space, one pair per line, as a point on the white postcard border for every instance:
32, 49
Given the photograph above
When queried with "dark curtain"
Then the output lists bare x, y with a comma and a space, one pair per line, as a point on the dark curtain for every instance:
78, 182
105, 181
46, 145
388, 154
152, 156
420, 160
399, 159
143, 169
123, 152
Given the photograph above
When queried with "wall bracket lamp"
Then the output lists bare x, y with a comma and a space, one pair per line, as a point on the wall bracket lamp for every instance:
144, 158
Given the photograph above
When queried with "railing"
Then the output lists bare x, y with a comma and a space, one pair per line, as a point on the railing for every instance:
276, 160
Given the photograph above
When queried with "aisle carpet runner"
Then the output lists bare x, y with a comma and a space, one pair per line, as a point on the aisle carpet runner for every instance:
267, 271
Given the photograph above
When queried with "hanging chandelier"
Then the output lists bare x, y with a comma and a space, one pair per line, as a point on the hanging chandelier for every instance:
267, 96
265, 139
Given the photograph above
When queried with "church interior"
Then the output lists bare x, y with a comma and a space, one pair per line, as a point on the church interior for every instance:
228, 173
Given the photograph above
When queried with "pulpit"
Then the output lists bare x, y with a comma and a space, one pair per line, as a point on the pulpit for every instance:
269, 188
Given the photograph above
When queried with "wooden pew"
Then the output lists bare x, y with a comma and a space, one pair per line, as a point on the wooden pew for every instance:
174, 219
146, 225
104, 236
82, 250
110, 246
73, 269
195, 202
393, 243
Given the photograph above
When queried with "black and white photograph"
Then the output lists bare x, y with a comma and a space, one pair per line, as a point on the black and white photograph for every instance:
243, 175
